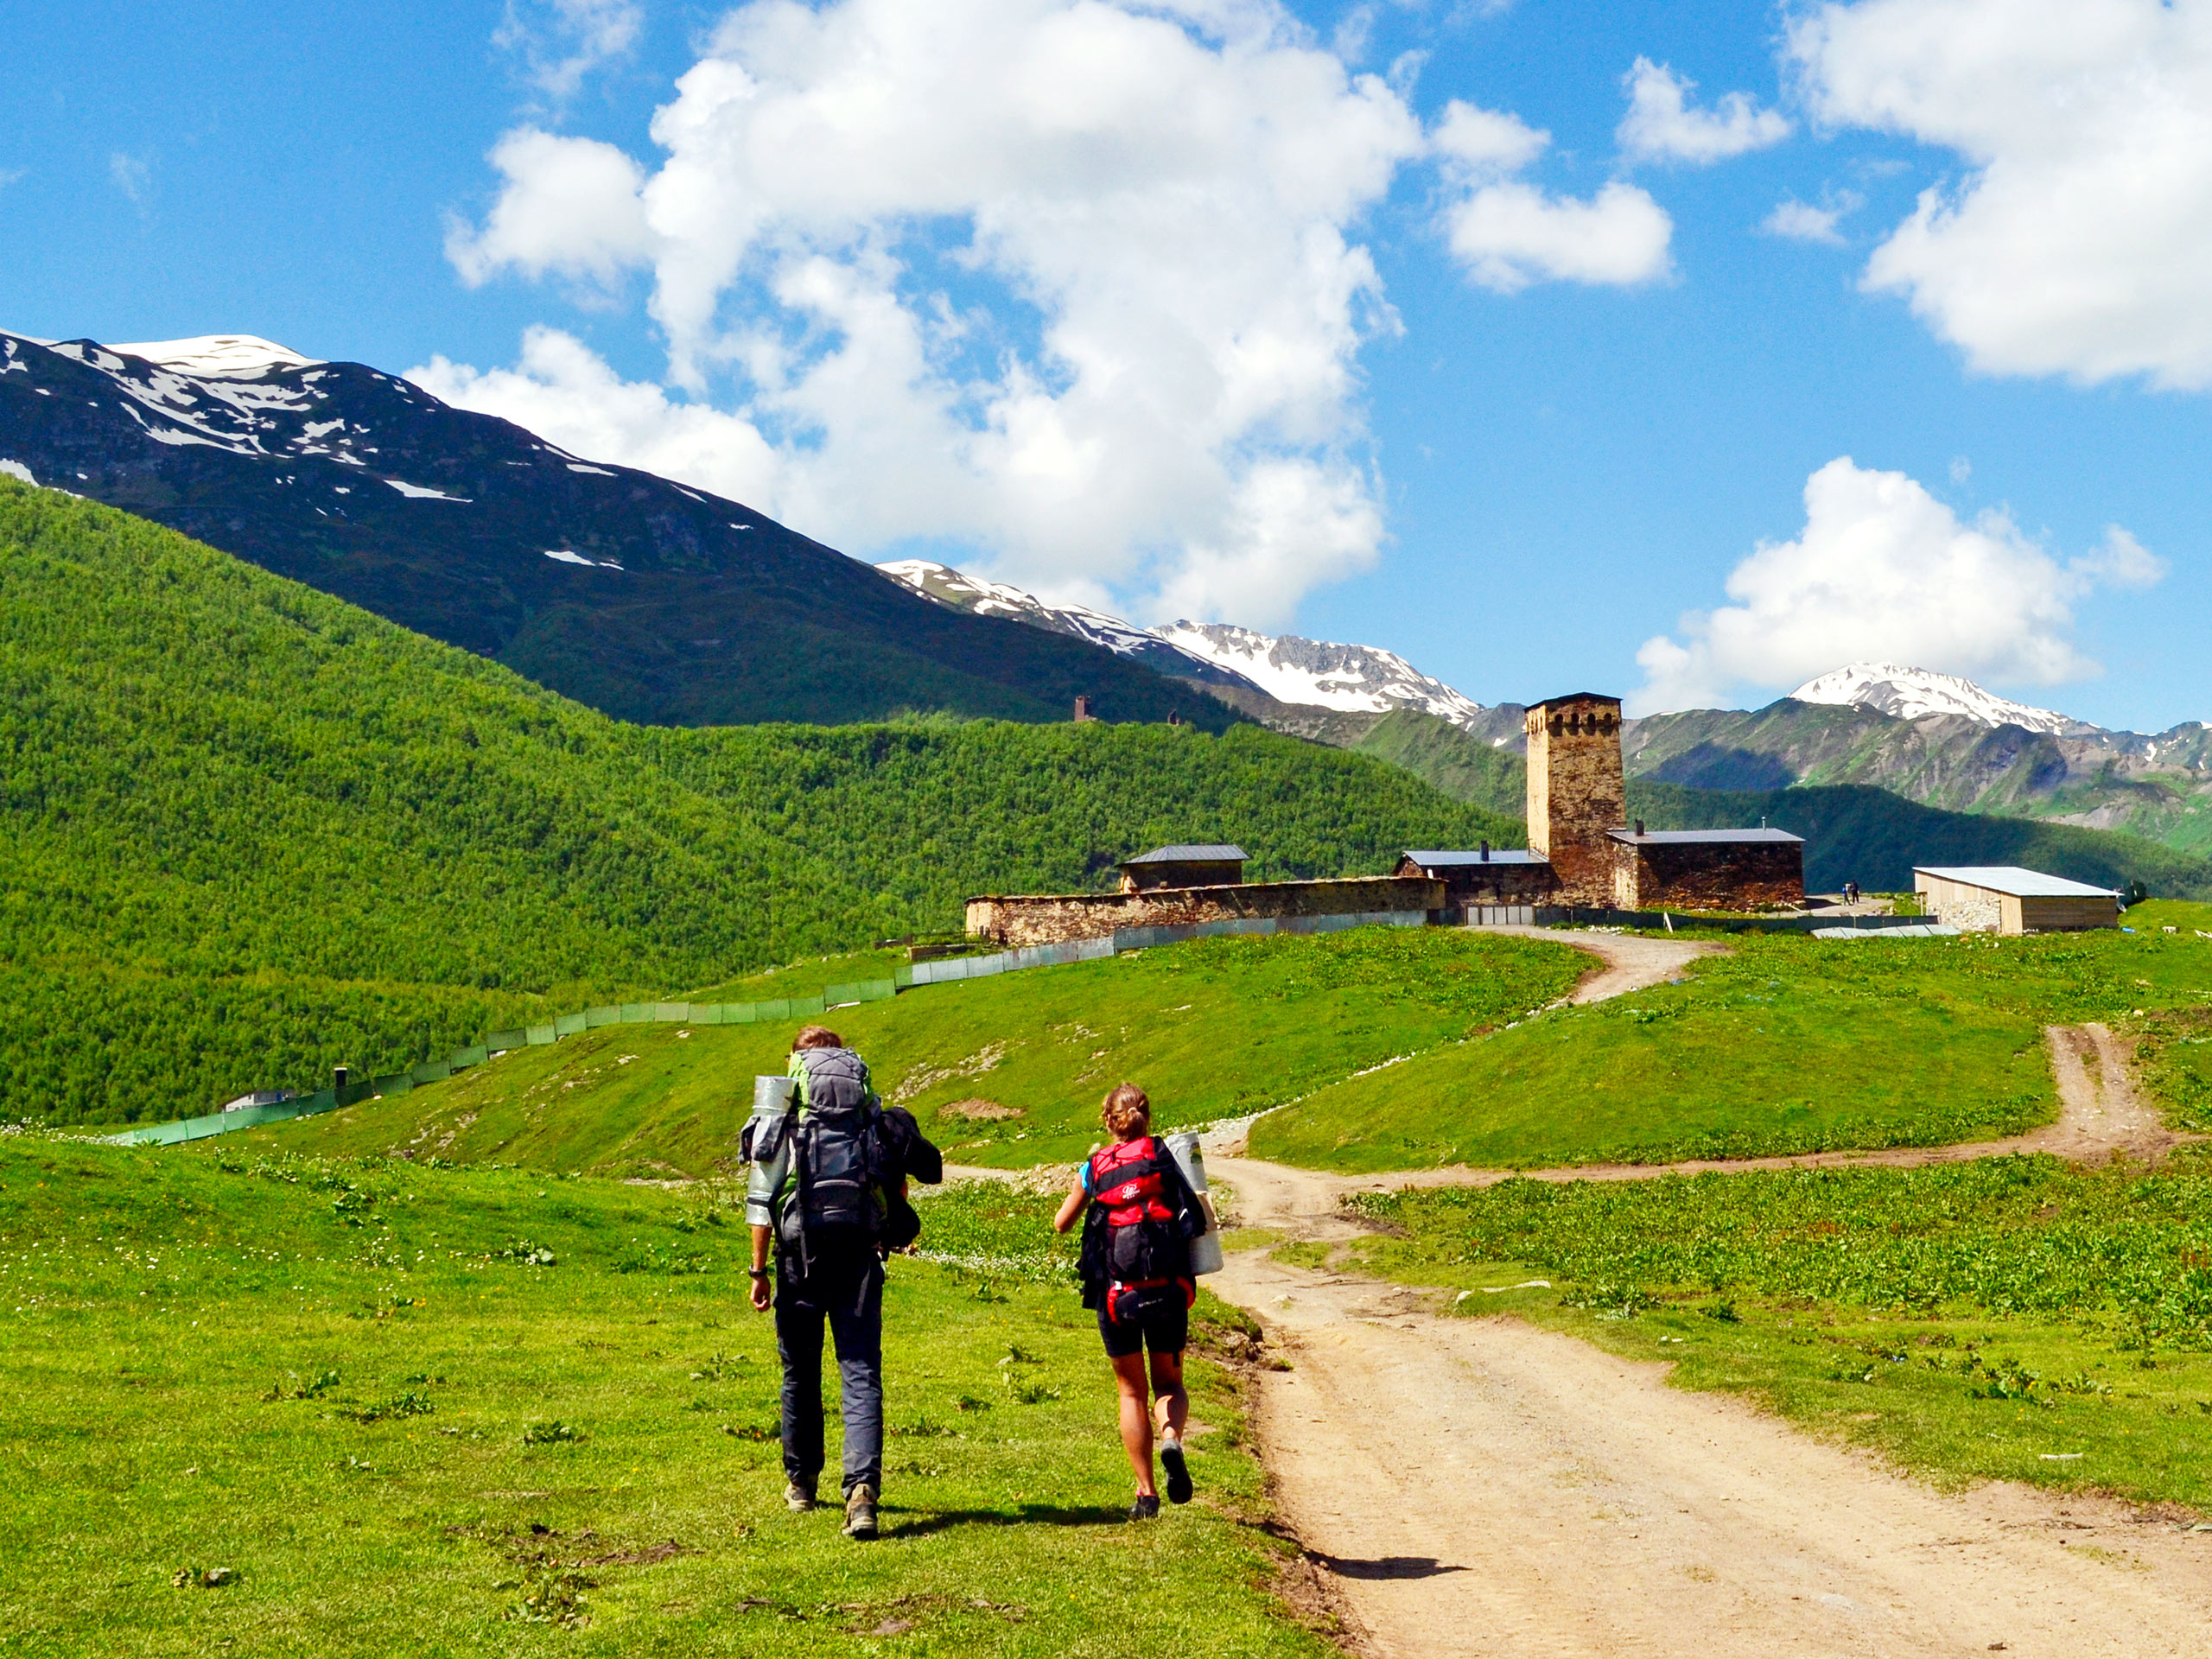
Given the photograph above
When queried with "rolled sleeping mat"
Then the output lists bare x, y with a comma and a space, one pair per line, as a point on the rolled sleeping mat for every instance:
1206, 1250
772, 1104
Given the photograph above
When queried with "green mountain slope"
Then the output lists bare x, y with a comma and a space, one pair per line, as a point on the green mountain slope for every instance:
1853, 832
248, 831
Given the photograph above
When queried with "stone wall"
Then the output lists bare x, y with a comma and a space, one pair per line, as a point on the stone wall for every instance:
1055, 919
1500, 882
1576, 793
1954, 904
1709, 874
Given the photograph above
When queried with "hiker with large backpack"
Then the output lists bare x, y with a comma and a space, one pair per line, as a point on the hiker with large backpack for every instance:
828, 1188
1135, 1267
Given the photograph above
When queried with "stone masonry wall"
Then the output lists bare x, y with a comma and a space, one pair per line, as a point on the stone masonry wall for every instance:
1056, 919
1954, 904
1576, 793
1709, 874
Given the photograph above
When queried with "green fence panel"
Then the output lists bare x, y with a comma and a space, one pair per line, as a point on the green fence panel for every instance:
499, 1041
706, 1014
876, 990
902, 976
835, 996
394, 1085
594, 1018
466, 1057
541, 1035
637, 1013
672, 1014
569, 1025
803, 1006
323, 1100
740, 1014
777, 1008
431, 1071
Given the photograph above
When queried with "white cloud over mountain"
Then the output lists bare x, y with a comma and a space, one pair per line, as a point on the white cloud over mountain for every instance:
2077, 240
1884, 572
1662, 125
1076, 282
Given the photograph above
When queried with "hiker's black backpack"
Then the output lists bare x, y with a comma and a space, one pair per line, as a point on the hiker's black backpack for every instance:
1143, 1216
848, 1156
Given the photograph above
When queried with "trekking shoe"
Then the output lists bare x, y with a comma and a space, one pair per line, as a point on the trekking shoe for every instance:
860, 1512
1178, 1471
799, 1499
1147, 1508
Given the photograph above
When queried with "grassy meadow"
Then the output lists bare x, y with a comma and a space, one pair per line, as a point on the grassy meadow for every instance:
2012, 1318
1004, 1072
1785, 1044
274, 1405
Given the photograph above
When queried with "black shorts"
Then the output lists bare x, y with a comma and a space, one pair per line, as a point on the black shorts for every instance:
1164, 1327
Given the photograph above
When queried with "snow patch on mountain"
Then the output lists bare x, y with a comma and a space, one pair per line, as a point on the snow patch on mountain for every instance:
17, 469
1359, 678
1915, 693
217, 355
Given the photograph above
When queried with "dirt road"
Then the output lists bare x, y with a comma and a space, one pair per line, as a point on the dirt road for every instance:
1478, 1486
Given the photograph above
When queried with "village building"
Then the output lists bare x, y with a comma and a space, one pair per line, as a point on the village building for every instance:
1489, 875
1582, 851
1212, 865
2005, 898
1708, 870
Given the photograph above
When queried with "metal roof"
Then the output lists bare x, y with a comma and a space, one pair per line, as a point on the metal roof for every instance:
2011, 879
1497, 855
1219, 853
1679, 837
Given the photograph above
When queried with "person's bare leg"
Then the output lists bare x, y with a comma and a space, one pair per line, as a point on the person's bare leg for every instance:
1173, 1399
1136, 1420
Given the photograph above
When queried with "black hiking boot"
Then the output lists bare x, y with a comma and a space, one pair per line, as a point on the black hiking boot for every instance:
1178, 1471
1147, 1508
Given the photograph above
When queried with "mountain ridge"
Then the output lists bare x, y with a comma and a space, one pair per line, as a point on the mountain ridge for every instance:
643, 598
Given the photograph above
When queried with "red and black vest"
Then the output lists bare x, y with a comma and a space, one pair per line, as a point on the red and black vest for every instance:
1138, 1229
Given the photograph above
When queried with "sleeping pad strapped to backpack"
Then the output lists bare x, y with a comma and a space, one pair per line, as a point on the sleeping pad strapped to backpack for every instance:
1136, 1240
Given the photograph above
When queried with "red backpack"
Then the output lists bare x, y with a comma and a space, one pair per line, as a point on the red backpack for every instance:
1142, 1218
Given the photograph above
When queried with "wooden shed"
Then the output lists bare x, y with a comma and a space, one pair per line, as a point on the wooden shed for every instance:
1212, 865
2005, 898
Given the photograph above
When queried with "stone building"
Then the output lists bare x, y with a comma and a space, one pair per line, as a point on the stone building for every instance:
1490, 875
2005, 898
1212, 865
1708, 870
1577, 795
1012, 920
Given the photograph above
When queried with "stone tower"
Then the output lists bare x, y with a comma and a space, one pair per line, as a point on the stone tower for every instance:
1575, 792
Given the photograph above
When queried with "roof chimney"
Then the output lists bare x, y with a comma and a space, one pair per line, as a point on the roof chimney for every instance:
1485, 852
1639, 826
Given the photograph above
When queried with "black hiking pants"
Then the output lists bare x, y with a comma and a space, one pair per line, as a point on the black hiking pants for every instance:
846, 1291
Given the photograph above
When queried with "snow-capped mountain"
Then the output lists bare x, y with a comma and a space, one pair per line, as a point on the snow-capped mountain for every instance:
647, 599
1357, 679
1360, 679
1915, 693
979, 597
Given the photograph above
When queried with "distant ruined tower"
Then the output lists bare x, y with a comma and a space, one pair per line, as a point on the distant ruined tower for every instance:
1575, 792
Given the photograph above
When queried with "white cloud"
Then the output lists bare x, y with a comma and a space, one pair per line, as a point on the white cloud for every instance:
564, 41
1800, 221
1509, 234
1662, 125
1884, 572
132, 175
2078, 240
570, 207
1073, 283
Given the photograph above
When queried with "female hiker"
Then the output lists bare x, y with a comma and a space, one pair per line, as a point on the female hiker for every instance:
1135, 1267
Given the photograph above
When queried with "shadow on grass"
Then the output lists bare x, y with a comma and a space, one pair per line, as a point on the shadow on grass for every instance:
1026, 1515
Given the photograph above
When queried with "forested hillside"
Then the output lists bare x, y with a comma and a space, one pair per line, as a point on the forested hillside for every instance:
248, 831
1855, 833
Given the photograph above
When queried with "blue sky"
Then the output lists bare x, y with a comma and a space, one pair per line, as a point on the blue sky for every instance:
1518, 408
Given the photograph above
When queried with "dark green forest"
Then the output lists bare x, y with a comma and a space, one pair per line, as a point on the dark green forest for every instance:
252, 832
